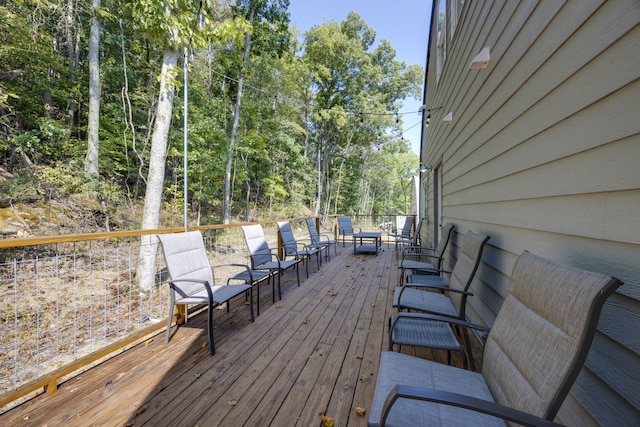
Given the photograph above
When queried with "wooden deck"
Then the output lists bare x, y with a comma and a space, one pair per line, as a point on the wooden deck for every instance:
313, 353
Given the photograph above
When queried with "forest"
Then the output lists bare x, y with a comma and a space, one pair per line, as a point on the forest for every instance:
98, 100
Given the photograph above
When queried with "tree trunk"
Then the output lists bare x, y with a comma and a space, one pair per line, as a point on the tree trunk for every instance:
93, 141
72, 54
226, 200
155, 178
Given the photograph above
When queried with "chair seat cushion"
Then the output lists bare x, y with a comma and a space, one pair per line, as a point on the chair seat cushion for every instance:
221, 294
273, 265
410, 264
426, 280
255, 274
421, 300
423, 333
398, 368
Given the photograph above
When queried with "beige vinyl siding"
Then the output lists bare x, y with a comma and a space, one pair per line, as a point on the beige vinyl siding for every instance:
543, 154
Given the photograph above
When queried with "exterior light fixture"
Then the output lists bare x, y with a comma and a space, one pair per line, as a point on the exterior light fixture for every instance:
482, 59
425, 168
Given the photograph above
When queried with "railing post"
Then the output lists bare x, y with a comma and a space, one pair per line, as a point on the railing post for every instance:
280, 244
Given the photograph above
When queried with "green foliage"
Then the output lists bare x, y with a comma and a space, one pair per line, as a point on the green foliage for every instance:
69, 179
23, 188
308, 122
50, 142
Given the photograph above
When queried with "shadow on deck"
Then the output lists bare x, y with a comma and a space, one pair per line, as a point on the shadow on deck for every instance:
313, 353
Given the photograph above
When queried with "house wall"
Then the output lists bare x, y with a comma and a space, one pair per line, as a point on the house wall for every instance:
543, 154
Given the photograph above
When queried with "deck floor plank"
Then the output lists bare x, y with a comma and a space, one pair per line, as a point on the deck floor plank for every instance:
313, 353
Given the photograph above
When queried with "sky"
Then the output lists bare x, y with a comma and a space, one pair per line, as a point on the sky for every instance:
405, 23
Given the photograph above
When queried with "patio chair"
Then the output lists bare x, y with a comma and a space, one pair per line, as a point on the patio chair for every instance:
262, 258
532, 356
403, 229
345, 228
297, 250
412, 241
321, 242
192, 278
418, 297
434, 256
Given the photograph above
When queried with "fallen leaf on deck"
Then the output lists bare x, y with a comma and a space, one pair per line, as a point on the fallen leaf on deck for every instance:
204, 345
141, 410
233, 402
197, 374
327, 421
332, 293
373, 304
149, 341
278, 305
359, 357
306, 320
247, 302
360, 411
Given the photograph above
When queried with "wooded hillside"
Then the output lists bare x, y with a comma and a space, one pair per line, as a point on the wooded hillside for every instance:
92, 98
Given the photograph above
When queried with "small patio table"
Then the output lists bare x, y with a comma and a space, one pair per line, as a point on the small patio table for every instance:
367, 242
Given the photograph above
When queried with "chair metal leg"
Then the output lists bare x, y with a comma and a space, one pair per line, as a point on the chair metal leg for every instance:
467, 342
168, 337
251, 304
212, 348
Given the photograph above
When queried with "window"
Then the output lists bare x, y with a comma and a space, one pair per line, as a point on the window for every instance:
442, 38
448, 17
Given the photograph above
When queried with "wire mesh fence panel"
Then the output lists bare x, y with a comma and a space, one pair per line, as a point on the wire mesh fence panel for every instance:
61, 302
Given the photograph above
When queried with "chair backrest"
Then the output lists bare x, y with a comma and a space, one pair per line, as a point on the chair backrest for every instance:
257, 245
447, 231
288, 239
344, 225
186, 258
465, 268
542, 334
313, 232
404, 225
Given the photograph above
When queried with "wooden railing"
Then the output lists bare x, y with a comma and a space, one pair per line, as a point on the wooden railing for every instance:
68, 302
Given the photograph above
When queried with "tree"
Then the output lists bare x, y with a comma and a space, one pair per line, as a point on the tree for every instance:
176, 25
357, 89
93, 133
273, 41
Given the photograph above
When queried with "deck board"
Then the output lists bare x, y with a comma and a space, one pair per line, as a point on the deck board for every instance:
313, 353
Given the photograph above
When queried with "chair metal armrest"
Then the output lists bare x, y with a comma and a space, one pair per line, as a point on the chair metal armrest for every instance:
459, 400
417, 249
235, 265
434, 270
272, 253
327, 235
206, 284
438, 287
431, 258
